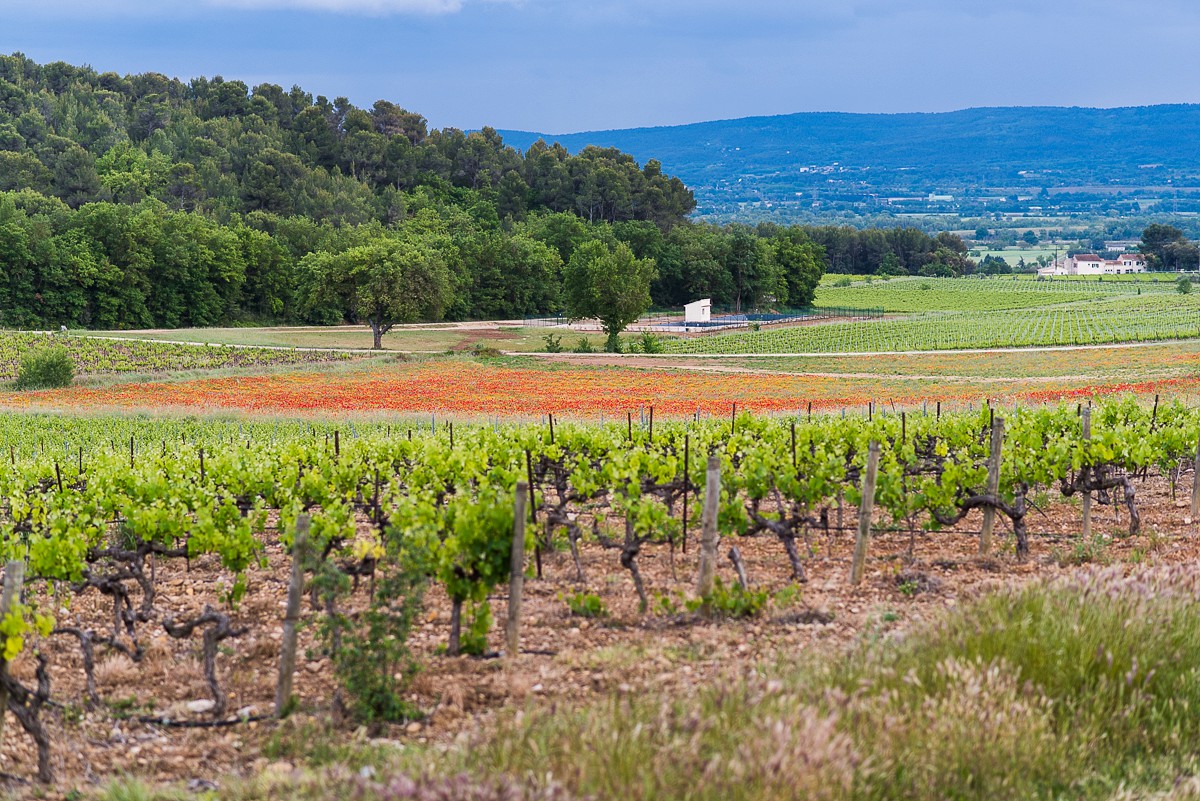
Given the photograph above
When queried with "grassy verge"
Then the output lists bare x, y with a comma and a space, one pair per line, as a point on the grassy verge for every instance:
437, 338
1075, 688
1083, 687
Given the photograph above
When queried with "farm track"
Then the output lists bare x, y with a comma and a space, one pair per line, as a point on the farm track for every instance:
633, 362
864, 353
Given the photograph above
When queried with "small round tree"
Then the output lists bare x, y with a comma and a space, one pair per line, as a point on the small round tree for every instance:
609, 284
384, 283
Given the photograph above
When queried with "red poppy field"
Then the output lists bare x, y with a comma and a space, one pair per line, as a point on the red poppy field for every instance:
470, 388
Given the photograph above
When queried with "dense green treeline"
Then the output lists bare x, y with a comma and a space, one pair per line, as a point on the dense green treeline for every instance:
115, 265
143, 201
892, 251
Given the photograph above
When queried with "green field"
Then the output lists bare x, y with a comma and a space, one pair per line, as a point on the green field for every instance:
102, 356
431, 338
910, 295
1166, 279
1014, 255
1124, 318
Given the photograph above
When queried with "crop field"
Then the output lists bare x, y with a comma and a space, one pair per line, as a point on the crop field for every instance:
486, 390
188, 529
1161, 279
1120, 363
973, 294
1126, 318
157, 519
1014, 255
97, 356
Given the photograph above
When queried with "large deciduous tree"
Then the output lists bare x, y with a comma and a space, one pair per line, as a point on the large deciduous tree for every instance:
802, 263
1164, 247
610, 284
383, 283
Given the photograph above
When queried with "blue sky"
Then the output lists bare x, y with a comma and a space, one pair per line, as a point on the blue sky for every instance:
560, 66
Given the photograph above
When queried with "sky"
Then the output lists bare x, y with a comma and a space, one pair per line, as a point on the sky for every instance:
561, 66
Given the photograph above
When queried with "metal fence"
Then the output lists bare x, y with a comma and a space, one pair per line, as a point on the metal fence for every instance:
774, 316
673, 320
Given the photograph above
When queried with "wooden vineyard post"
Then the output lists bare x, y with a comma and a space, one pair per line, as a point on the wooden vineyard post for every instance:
993, 486
1087, 496
516, 576
1196, 485
14, 577
708, 536
864, 515
793, 444
287, 655
537, 547
687, 475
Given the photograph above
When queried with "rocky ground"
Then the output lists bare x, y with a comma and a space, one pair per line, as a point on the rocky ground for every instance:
565, 658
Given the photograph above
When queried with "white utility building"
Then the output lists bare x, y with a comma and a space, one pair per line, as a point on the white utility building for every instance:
699, 311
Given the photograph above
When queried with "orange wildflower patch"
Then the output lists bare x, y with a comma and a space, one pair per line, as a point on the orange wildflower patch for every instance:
467, 388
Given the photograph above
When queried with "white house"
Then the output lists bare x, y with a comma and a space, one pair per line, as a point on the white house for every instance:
1091, 264
699, 311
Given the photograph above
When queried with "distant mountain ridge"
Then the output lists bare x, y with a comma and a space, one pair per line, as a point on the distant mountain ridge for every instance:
978, 156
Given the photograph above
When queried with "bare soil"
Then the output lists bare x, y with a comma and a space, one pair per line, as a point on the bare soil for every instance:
563, 658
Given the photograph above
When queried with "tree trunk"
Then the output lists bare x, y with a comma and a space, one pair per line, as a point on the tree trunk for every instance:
735, 556
629, 556
573, 535
1018, 521
377, 333
789, 545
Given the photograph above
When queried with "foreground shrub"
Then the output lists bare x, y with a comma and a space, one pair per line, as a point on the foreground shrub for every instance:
1082, 687
751, 742
1117, 655
976, 732
370, 651
46, 368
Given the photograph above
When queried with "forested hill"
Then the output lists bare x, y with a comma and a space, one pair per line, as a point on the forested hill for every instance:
836, 157
144, 201
221, 146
